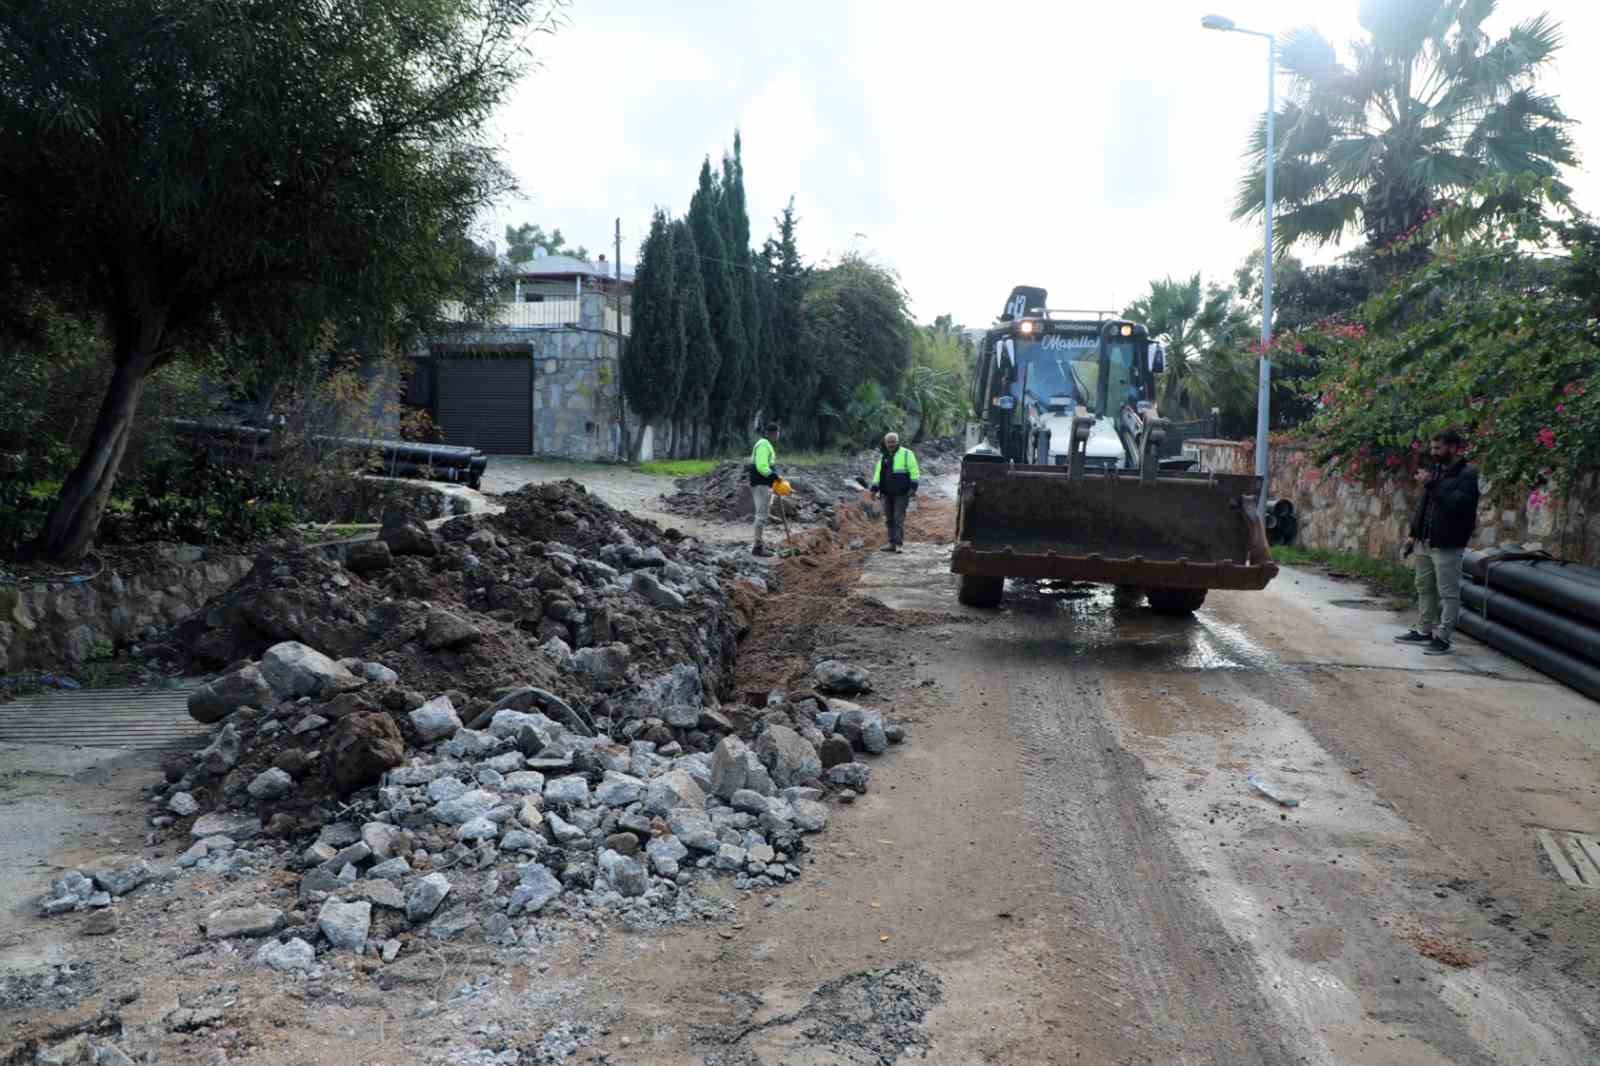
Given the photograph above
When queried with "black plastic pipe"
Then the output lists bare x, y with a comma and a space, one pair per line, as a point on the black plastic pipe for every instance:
1564, 632
1476, 562
1568, 669
1545, 586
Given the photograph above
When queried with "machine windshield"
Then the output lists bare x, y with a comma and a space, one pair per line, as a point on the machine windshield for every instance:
1053, 370
1122, 379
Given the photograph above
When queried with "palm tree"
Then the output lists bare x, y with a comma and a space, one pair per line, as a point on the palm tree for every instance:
1428, 107
1204, 332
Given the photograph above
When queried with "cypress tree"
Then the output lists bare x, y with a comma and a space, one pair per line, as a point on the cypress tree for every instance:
795, 374
722, 302
758, 369
700, 350
653, 358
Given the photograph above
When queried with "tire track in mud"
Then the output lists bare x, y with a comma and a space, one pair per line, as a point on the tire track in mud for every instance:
1153, 976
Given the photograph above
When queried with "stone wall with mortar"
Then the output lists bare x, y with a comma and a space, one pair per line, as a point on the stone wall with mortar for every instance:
1372, 518
50, 625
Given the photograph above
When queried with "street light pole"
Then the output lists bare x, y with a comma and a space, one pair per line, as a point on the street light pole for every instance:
1264, 377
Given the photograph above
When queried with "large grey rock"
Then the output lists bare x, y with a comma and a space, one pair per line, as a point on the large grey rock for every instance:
477, 829
426, 895
619, 789
222, 754
240, 825
729, 767
694, 829
293, 956
258, 920
508, 723
788, 756
854, 775
606, 665
665, 853
681, 715
809, 815
270, 784
444, 630
654, 592
294, 670
749, 801
182, 804
345, 924
465, 807
245, 687
730, 857
368, 557
572, 790
435, 720
536, 886
379, 674
525, 782
379, 892
564, 831
840, 679
119, 874
471, 744
445, 788
406, 535
680, 685
380, 838
672, 790
627, 875
394, 869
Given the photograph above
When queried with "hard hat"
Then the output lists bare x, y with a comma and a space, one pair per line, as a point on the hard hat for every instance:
782, 487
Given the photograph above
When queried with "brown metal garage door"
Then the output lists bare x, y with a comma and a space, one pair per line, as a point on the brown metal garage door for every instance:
486, 403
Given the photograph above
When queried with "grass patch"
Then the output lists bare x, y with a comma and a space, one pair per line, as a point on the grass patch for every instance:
1391, 579
678, 467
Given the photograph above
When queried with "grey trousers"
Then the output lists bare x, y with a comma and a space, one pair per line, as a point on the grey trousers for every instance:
894, 513
1438, 590
761, 496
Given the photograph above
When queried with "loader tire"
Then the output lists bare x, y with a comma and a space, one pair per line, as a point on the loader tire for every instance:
975, 591
1127, 597
1176, 601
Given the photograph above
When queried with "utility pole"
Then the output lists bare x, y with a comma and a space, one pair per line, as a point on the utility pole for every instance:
618, 268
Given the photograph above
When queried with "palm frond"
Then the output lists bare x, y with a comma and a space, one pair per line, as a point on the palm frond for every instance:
1306, 55
1322, 221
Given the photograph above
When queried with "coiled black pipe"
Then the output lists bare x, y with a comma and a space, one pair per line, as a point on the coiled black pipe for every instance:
1568, 669
1569, 634
1542, 584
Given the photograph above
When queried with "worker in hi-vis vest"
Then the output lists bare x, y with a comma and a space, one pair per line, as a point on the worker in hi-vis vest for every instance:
763, 475
896, 479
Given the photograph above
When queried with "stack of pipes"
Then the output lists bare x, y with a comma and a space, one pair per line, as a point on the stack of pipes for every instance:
1540, 610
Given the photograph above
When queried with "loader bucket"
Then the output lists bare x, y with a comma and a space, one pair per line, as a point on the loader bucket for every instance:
1176, 530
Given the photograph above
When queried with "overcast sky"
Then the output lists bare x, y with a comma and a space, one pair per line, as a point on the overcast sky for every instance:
1084, 148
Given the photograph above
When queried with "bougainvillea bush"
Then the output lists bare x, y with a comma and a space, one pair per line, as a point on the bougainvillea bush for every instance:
1498, 335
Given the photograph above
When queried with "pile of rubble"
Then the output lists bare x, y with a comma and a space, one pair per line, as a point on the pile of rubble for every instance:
410, 803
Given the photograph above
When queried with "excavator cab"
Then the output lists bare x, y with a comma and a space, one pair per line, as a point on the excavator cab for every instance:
1066, 480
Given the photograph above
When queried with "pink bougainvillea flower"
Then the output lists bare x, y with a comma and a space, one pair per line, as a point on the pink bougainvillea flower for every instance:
1536, 500
1561, 408
1547, 437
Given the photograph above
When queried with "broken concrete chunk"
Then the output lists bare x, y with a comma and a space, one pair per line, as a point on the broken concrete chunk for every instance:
294, 670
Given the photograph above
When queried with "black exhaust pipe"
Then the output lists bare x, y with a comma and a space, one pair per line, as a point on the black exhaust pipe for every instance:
1568, 634
1568, 669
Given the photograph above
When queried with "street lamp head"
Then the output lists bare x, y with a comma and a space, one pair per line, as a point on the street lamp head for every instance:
1217, 22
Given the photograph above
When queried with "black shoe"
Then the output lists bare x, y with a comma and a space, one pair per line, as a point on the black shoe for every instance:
887, 548
760, 550
1437, 647
1413, 637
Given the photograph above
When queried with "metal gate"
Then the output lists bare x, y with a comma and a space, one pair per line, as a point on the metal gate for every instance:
486, 402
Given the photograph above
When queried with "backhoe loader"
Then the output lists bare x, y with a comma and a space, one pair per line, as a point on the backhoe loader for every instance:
1064, 479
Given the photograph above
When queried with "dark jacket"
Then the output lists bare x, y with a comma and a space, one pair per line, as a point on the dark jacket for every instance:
1447, 514
896, 473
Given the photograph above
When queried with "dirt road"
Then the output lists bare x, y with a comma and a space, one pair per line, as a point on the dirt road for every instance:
1064, 864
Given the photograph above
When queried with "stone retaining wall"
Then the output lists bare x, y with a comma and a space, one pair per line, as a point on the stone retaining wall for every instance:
65, 624
1371, 518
